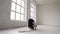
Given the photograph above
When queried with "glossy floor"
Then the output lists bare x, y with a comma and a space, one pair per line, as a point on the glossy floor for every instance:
26, 30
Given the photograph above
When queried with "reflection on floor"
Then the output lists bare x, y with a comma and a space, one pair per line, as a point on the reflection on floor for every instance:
26, 30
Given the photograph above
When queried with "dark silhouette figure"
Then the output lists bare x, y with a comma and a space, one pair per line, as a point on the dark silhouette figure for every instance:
31, 23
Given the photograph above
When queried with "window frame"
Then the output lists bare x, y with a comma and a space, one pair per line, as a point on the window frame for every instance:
34, 10
24, 7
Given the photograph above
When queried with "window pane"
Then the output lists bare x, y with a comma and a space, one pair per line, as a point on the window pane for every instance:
22, 17
32, 9
25, 15
34, 18
17, 16
22, 10
18, 9
13, 6
31, 17
14, 0
12, 16
25, 18
32, 5
23, 3
32, 14
25, 0
19, 2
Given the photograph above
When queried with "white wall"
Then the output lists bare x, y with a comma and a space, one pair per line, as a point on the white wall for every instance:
5, 16
5, 22
49, 14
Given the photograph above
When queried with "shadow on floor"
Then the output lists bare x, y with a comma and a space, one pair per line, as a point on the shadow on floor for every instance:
31, 30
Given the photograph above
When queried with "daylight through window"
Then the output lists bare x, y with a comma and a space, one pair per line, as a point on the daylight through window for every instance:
18, 10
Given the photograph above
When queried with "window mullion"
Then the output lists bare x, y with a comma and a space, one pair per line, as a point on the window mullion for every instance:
24, 10
20, 13
15, 10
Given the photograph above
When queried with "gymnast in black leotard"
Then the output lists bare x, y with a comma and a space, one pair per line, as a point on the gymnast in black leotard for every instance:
31, 24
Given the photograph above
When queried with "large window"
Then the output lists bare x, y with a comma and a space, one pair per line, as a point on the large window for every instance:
33, 10
18, 10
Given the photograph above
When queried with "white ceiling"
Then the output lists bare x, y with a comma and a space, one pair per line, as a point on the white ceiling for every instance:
47, 1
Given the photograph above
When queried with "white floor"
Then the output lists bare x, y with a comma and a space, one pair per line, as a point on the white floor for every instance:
40, 30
